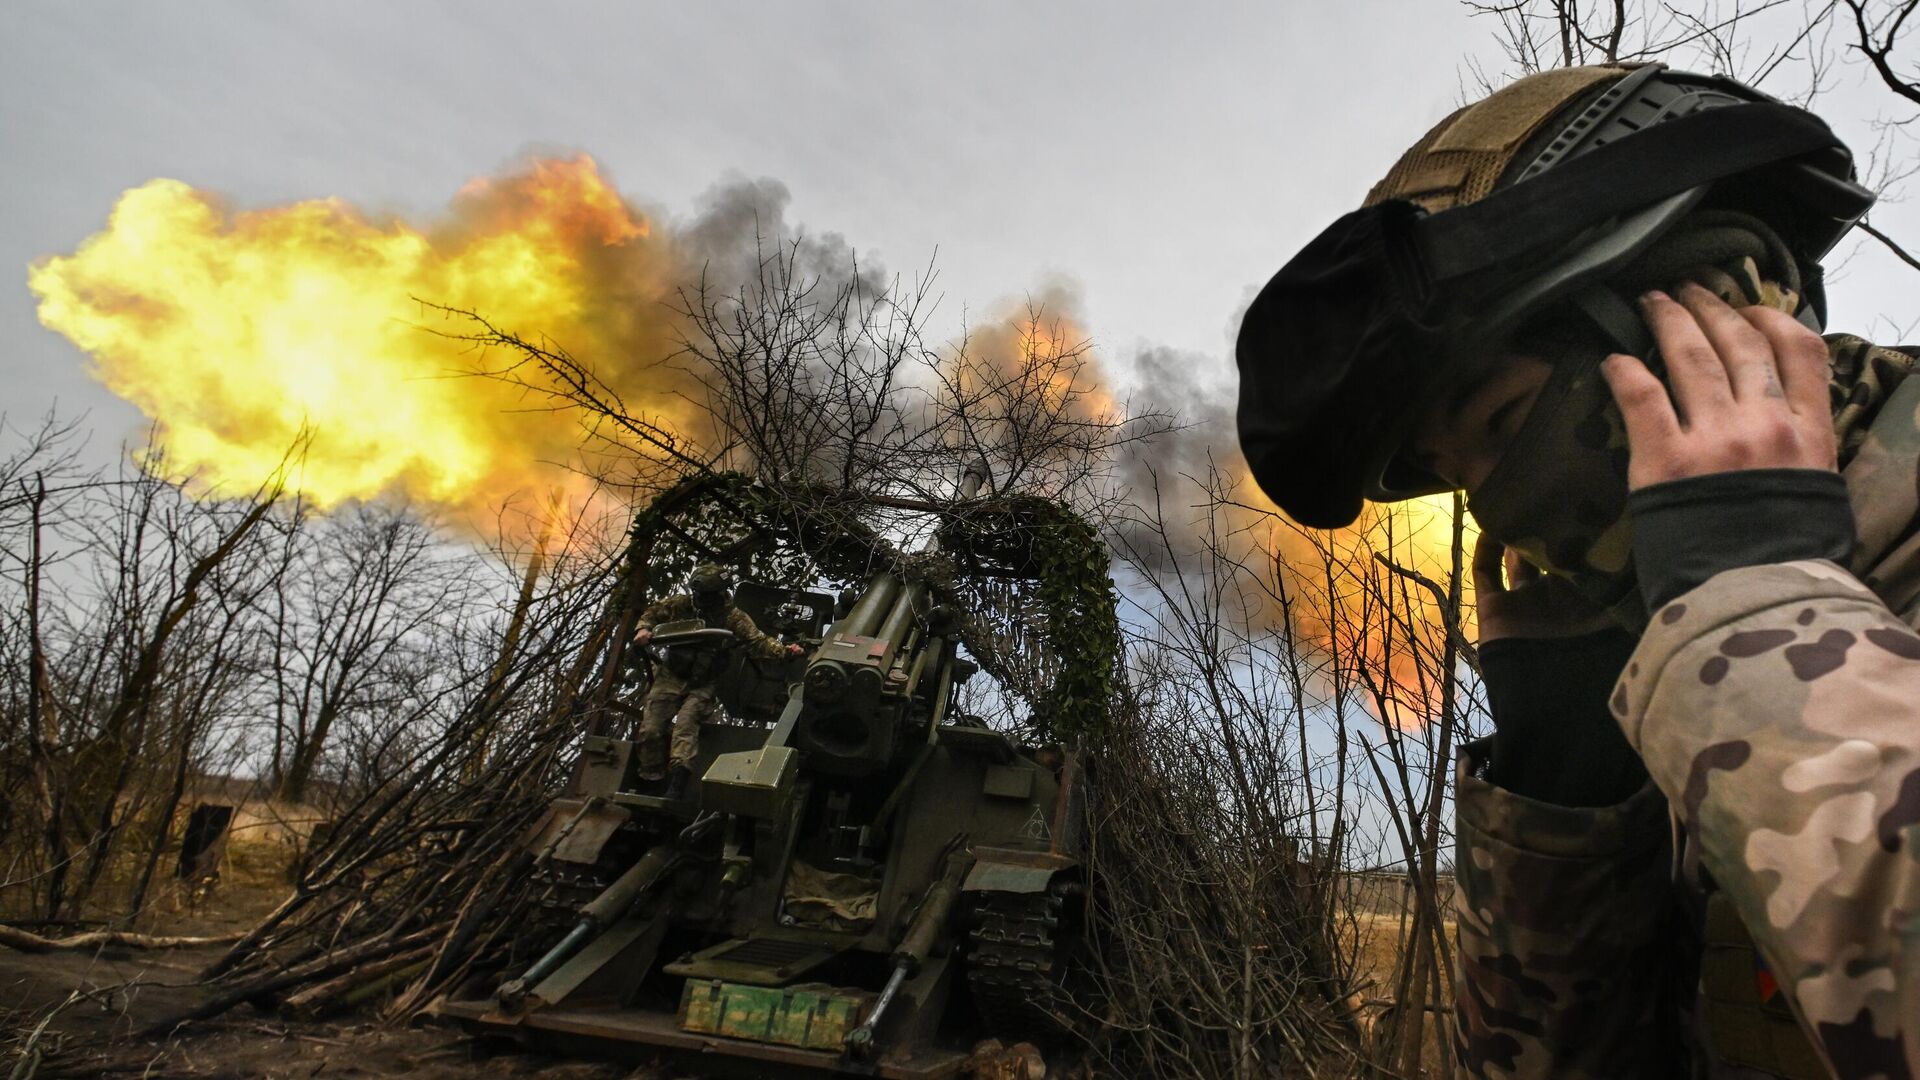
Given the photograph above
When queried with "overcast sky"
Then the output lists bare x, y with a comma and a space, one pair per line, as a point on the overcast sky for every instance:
1163, 158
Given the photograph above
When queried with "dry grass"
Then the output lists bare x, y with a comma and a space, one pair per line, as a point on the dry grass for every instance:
1374, 922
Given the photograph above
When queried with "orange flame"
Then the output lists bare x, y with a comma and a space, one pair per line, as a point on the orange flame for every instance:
1048, 343
1390, 626
237, 332
1045, 352
240, 332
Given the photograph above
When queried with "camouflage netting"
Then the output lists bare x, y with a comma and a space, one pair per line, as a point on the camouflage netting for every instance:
1029, 576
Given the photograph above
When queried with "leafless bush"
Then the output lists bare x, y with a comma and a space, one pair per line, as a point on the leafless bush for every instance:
1293, 703
154, 637
123, 598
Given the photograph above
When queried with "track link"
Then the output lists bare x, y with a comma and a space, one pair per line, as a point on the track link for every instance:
1014, 965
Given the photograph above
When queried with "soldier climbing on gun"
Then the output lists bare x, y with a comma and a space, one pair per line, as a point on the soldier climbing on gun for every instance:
682, 695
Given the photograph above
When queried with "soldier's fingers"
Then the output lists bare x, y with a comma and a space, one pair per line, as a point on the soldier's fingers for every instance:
1487, 556
1700, 382
1802, 359
1519, 570
1744, 352
1652, 424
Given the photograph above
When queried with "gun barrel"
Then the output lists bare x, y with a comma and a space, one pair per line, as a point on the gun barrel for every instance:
861, 647
894, 630
972, 479
893, 636
873, 606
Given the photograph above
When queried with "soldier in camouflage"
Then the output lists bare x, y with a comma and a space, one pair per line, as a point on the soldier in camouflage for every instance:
1692, 845
682, 695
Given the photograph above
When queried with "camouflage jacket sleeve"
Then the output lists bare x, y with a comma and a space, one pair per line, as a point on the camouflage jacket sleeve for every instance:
678, 606
757, 645
1778, 707
1564, 932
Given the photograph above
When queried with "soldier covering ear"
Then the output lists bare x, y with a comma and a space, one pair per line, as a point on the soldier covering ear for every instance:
1592, 300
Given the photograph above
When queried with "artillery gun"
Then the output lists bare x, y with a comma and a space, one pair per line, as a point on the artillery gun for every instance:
863, 880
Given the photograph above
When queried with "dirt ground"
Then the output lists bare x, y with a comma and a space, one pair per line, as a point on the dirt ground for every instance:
92, 1002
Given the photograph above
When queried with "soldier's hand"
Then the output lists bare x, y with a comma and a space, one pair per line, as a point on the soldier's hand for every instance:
795, 650
643, 635
1749, 391
1513, 599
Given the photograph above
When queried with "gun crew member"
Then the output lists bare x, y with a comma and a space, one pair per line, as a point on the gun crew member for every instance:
682, 696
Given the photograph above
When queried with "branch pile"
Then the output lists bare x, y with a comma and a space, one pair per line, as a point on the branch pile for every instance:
423, 881
1213, 954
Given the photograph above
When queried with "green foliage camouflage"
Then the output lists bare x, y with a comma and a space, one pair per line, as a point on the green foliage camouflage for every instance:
1059, 551
804, 539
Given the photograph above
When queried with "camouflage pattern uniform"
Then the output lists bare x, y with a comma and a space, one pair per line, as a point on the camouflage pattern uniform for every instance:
682, 703
1777, 709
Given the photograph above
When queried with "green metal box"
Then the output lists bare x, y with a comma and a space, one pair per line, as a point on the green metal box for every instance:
813, 1016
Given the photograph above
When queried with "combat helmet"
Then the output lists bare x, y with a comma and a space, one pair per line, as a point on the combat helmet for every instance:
1527, 198
710, 585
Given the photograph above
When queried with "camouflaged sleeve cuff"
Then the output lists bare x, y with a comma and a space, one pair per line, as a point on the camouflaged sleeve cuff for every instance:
1686, 531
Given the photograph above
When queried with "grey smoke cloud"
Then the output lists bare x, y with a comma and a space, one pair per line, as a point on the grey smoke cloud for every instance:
740, 220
